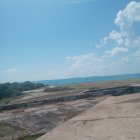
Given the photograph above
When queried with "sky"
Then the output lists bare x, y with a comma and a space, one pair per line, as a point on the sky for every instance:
55, 39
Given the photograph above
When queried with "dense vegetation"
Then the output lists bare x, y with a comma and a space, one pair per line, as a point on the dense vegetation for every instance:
15, 89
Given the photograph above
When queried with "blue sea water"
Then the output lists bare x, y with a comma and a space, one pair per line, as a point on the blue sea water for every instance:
89, 79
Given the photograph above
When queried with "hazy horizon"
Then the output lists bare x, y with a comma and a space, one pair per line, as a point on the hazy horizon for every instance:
59, 39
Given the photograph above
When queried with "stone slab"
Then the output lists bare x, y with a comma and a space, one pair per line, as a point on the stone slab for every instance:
116, 118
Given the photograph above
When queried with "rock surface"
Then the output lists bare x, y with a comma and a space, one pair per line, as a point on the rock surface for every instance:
18, 123
116, 118
115, 91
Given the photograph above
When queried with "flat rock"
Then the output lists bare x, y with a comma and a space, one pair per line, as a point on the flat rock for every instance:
116, 118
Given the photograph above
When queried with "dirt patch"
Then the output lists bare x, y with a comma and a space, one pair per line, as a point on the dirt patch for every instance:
8, 132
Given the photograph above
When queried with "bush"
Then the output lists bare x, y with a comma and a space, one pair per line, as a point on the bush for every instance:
15, 89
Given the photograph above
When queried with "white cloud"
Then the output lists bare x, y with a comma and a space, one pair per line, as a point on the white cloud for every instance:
136, 57
90, 64
114, 35
12, 71
85, 64
125, 20
116, 51
125, 42
103, 42
84, 60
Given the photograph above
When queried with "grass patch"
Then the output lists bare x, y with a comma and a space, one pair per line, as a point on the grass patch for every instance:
11, 99
6, 129
31, 137
72, 113
9, 131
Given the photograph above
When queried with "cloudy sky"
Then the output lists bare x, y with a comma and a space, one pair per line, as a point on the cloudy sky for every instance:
52, 39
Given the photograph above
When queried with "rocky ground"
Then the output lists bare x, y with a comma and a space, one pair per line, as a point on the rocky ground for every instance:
30, 123
115, 118
39, 120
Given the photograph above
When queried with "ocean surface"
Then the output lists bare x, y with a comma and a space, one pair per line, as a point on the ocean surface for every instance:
89, 79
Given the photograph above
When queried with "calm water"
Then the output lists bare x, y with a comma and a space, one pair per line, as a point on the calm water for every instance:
89, 79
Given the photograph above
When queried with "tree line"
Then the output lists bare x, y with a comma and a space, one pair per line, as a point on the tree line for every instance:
15, 89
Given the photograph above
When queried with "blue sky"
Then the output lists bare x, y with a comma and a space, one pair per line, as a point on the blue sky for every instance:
52, 39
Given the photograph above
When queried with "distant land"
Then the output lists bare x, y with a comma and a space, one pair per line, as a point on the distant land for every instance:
89, 79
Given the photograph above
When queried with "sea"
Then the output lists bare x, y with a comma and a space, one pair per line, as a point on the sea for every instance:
88, 79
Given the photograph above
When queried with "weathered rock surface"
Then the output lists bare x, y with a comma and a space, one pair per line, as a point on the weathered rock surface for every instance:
116, 118
91, 93
41, 119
